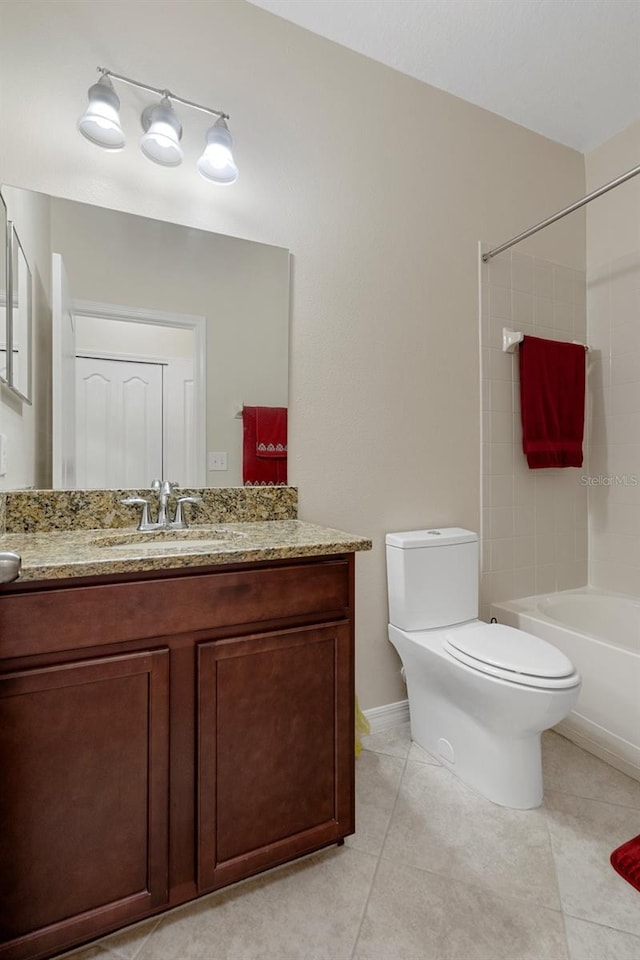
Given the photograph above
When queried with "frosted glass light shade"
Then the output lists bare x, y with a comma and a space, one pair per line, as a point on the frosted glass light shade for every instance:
100, 123
163, 131
216, 163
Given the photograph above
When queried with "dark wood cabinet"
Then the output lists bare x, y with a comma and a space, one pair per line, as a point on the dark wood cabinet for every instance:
84, 750
274, 761
165, 735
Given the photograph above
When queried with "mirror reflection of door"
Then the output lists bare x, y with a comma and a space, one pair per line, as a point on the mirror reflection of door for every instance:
134, 421
118, 423
134, 404
125, 409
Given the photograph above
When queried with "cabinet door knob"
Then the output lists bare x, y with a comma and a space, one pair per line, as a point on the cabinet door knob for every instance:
10, 564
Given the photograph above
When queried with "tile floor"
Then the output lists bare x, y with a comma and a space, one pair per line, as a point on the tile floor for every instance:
434, 872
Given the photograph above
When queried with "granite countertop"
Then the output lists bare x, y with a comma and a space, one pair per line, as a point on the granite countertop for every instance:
86, 553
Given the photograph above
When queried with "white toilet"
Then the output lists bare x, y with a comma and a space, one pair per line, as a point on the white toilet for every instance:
480, 694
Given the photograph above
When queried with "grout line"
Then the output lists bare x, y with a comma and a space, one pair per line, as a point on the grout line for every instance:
379, 857
144, 942
555, 870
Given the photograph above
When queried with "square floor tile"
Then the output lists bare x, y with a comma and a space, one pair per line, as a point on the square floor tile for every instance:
395, 741
377, 781
441, 825
590, 941
569, 769
310, 909
584, 833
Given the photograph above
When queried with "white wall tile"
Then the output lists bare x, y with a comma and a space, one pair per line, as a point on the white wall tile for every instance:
499, 301
546, 578
500, 522
524, 552
562, 284
522, 311
501, 427
534, 522
499, 269
524, 520
502, 554
531, 518
521, 272
502, 458
501, 393
500, 365
563, 317
543, 278
542, 312
524, 582
501, 490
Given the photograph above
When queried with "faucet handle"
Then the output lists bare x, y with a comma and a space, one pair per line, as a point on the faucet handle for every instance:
179, 520
145, 520
156, 485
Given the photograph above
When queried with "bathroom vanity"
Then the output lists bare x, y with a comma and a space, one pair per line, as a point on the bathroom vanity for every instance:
170, 729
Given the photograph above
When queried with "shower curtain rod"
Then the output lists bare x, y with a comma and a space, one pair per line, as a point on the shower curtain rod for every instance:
562, 213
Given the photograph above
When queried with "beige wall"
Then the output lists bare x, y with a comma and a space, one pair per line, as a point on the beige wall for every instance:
381, 187
613, 309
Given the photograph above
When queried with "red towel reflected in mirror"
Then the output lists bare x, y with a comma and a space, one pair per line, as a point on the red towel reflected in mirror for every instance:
264, 446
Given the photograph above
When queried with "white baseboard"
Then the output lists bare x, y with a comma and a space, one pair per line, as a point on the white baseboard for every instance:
390, 715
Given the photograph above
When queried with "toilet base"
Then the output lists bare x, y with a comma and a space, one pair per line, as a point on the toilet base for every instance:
505, 770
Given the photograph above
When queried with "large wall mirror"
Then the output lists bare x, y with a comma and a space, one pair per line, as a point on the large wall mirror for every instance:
158, 335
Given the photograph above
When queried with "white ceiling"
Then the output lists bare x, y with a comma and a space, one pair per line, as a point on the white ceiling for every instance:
568, 69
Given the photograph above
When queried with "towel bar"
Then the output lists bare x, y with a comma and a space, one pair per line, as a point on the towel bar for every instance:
511, 339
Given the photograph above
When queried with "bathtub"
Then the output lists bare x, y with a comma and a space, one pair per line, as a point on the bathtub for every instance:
600, 633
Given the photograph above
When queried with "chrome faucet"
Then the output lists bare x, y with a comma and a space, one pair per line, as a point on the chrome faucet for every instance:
163, 490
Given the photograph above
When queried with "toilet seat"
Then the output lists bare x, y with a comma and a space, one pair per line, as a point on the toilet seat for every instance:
510, 654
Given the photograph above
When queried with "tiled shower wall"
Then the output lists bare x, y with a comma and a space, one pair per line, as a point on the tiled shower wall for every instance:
534, 522
614, 491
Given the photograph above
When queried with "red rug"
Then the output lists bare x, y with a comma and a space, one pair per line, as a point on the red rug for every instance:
626, 860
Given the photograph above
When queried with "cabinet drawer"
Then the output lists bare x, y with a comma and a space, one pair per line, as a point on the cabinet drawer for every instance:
61, 619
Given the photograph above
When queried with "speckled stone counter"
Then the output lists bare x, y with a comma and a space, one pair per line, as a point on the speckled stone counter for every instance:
85, 533
86, 553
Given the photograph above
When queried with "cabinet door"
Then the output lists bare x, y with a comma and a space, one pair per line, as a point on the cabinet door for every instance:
83, 802
275, 749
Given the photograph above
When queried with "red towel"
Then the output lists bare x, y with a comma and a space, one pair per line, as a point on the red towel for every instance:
264, 446
552, 390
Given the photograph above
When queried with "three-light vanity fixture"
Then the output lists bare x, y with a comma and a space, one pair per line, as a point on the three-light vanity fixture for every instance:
100, 124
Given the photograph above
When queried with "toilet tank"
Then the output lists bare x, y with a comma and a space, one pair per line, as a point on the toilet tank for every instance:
432, 577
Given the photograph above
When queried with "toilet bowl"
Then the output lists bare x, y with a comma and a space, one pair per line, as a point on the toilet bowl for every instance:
480, 694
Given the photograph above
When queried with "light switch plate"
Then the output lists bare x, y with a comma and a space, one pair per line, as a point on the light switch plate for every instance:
216, 461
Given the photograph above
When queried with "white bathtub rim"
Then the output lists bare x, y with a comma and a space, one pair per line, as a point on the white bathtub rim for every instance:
529, 607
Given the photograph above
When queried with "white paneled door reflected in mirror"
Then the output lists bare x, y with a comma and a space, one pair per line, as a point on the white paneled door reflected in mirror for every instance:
159, 334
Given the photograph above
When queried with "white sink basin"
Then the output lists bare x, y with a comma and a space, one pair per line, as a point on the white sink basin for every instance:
194, 539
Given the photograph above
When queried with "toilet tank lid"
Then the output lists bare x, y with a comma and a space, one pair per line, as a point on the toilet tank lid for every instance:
432, 537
